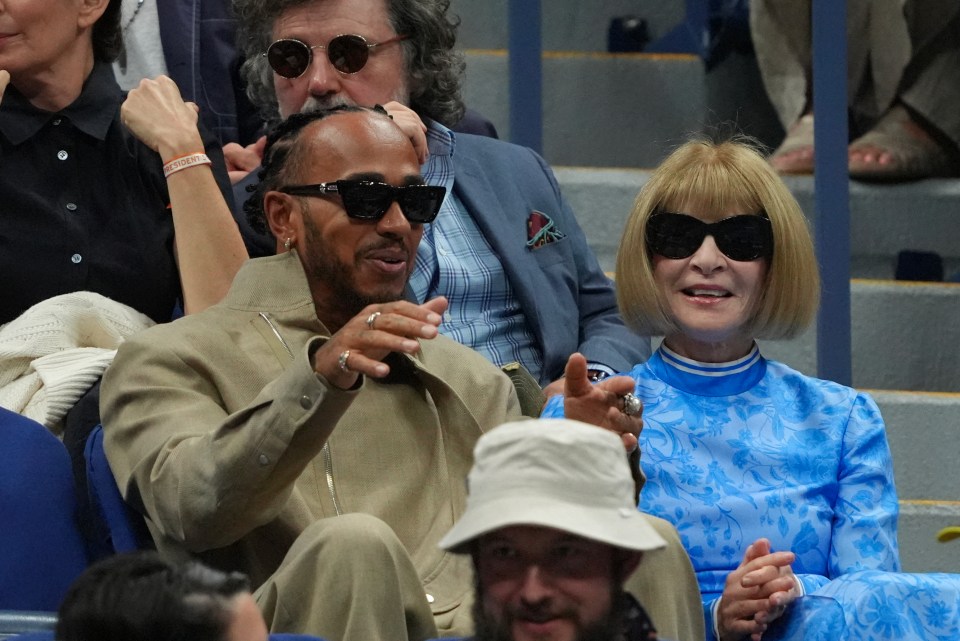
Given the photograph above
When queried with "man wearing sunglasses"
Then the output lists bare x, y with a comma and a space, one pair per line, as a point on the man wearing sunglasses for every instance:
505, 249
313, 391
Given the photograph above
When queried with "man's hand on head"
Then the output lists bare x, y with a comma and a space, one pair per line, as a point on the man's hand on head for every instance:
411, 125
242, 160
360, 346
600, 403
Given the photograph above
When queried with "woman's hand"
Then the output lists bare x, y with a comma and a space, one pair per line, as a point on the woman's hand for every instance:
156, 114
360, 346
756, 593
601, 403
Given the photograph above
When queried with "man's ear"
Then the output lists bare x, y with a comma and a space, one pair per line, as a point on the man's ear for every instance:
283, 216
90, 11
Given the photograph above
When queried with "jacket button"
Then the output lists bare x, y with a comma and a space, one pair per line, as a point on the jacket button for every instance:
263, 459
305, 402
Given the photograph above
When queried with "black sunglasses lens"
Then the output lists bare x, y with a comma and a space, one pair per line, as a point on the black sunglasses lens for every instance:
348, 53
674, 235
289, 58
421, 203
365, 200
744, 237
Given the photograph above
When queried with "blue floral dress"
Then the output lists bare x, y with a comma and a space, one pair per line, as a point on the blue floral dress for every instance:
737, 451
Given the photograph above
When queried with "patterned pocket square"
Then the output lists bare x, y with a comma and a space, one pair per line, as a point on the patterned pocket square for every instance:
541, 230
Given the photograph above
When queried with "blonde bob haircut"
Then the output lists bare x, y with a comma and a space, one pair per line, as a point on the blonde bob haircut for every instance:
729, 176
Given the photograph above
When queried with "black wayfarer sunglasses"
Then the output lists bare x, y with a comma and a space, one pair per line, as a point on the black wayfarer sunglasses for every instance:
348, 53
369, 201
741, 238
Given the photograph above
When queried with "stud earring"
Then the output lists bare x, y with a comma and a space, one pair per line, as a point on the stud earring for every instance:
287, 243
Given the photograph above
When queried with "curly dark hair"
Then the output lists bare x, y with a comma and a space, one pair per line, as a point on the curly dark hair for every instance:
107, 34
283, 160
434, 69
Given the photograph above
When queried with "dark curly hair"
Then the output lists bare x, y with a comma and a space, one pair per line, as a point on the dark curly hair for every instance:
434, 69
107, 34
283, 160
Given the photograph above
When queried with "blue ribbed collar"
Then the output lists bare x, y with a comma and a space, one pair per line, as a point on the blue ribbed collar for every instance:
708, 379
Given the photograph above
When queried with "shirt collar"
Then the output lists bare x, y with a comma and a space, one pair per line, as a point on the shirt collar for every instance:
440, 140
92, 112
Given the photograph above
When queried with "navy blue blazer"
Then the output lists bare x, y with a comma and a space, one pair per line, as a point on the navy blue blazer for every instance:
199, 47
568, 301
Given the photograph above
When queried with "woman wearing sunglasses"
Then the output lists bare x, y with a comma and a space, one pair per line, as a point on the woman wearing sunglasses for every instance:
781, 485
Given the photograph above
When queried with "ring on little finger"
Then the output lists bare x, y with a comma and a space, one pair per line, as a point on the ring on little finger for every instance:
631, 405
342, 360
371, 319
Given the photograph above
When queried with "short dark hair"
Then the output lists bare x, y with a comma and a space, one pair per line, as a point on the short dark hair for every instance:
282, 160
434, 69
143, 597
107, 34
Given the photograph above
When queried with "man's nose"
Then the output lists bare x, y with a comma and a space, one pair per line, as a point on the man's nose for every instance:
323, 78
536, 586
393, 221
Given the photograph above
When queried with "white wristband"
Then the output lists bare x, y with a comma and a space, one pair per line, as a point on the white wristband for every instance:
184, 162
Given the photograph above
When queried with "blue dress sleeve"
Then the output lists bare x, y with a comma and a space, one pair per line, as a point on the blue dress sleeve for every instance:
865, 518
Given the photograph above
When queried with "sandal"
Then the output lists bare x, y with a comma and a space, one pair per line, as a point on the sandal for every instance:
899, 149
795, 153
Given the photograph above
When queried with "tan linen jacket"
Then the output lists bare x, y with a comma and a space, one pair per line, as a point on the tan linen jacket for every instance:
216, 425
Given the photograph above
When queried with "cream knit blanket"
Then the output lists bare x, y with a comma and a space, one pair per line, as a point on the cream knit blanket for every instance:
55, 351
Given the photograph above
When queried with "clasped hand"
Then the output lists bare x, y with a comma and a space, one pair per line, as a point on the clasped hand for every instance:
756, 593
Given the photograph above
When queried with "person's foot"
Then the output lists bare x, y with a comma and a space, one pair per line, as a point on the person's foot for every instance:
899, 149
795, 153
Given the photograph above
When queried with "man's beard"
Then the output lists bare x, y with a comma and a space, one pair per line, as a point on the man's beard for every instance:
322, 266
609, 628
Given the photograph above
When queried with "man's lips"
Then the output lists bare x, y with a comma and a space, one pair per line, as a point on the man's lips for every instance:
389, 259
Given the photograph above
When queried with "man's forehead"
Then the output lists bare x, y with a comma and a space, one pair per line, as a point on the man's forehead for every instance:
359, 143
319, 15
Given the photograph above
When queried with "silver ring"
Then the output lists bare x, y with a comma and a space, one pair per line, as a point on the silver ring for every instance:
371, 319
631, 405
342, 360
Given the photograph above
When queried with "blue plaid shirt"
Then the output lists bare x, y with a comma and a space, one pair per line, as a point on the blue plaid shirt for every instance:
455, 260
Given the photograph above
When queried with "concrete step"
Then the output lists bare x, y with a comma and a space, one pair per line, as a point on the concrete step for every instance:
919, 523
566, 25
923, 430
608, 110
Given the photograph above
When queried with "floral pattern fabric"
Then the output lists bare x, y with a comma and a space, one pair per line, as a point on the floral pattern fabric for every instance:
737, 451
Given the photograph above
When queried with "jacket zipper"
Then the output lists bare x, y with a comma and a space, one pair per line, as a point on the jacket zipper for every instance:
327, 456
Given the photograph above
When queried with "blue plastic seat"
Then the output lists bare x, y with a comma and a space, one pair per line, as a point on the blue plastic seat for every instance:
41, 548
120, 528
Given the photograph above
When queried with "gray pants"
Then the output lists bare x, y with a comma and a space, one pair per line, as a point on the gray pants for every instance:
349, 578
906, 49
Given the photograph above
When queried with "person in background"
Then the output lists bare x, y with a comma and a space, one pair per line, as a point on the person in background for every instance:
553, 533
903, 66
194, 43
505, 250
143, 597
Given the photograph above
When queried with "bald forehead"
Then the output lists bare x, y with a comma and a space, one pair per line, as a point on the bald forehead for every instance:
356, 142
